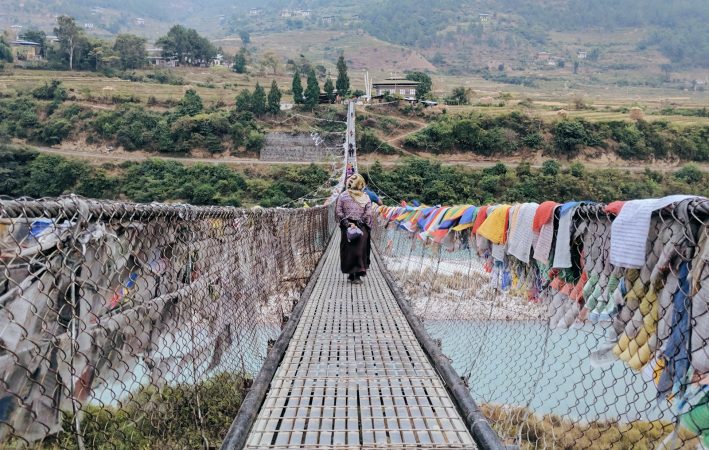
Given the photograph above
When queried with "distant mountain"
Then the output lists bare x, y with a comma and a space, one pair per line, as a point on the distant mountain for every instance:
457, 36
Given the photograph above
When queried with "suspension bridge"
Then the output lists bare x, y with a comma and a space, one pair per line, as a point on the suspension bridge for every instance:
173, 326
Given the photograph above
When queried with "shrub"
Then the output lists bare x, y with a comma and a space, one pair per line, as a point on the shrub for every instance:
533, 140
368, 142
254, 141
54, 131
50, 91
577, 169
550, 167
690, 173
166, 77
569, 135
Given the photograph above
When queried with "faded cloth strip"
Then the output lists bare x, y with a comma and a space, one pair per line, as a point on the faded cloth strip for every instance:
546, 237
495, 226
630, 229
543, 215
480, 218
614, 207
521, 233
562, 250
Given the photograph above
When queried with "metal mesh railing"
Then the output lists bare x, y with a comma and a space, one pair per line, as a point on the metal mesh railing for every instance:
591, 356
141, 326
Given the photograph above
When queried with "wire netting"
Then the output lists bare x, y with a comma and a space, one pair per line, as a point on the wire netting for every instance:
141, 326
591, 356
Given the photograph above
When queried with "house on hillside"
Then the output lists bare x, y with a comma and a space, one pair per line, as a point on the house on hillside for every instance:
302, 13
327, 20
543, 56
396, 86
484, 18
581, 55
156, 59
253, 12
218, 60
286, 13
88, 26
140, 21
26, 50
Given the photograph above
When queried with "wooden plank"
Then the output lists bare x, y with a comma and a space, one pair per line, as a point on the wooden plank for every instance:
355, 377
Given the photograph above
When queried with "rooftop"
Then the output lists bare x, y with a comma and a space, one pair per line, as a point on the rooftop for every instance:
22, 42
396, 81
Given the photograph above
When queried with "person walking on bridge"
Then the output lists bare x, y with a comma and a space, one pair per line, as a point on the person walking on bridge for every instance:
354, 211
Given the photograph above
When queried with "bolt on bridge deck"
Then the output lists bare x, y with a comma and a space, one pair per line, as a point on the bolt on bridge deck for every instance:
354, 376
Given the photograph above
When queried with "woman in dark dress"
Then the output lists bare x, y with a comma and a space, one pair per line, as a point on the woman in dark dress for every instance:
354, 209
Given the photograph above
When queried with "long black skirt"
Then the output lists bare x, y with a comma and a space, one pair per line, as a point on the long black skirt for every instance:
354, 256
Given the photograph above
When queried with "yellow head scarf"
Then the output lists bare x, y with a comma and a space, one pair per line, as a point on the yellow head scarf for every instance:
355, 187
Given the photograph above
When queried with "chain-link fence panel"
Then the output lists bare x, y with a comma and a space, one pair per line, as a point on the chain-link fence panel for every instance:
561, 347
140, 326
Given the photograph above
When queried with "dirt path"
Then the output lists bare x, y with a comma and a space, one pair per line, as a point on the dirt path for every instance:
121, 157
366, 160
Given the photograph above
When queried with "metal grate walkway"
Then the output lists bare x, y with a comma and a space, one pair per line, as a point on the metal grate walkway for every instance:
355, 377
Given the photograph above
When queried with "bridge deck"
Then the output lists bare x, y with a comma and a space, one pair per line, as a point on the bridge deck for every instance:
355, 377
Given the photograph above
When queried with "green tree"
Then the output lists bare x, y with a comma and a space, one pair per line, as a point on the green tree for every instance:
239, 65
186, 45
425, 83
569, 135
343, 80
329, 89
274, 99
70, 36
131, 51
245, 37
40, 37
550, 167
459, 96
243, 101
690, 173
190, 104
98, 54
52, 175
258, 101
297, 89
5, 51
312, 90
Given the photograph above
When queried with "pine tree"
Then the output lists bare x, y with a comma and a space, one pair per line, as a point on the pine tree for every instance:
297, 89
258, 101
343, 81
312, 90
239, 65
274, 99
329, 89
191, 104
243, 101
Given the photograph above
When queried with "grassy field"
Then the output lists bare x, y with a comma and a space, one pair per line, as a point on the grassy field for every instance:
553, 114
215, 84
220, 84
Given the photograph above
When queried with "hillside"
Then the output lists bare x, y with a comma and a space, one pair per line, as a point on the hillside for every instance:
635, 42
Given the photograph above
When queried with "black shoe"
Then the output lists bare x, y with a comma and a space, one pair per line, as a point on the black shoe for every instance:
350, 277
